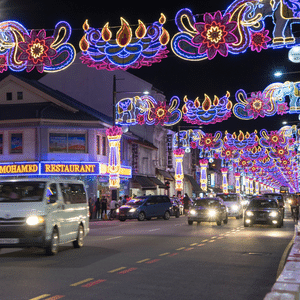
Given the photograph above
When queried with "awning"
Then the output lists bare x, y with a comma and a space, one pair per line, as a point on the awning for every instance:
165, 174
157, 182
143, 182
195, 186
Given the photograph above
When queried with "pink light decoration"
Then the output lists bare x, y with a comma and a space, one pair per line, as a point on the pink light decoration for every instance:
203, 173
179, 153
224, 180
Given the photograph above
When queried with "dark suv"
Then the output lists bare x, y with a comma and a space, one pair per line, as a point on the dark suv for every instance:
146, 207
262, 210
208, 210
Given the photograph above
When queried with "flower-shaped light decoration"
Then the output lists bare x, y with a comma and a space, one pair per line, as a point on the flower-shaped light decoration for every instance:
259, 40
229, 153
3, 63
257, 105
161, 113
140, 119
114, 131
282, 108
36, 50
278, 153
178, 152
215, 34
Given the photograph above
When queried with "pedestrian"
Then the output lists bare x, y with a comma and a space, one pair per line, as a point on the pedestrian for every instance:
104, 205
186, 203
125, 199
120, 202
112, 207
98, 209
91, 207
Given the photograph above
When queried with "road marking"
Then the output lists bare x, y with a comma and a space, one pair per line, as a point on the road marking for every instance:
194, 244
55, 297
155, 229
116, 270
188, 249
201, 245
211, 241
81, 282
204, 241
163, 254
40, 297
113, 238
214, 237
153, 261
220, 237
143, 260
173, 254
93, 283
180, 248
127, 271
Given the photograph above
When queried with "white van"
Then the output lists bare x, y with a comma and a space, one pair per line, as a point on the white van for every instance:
43, 213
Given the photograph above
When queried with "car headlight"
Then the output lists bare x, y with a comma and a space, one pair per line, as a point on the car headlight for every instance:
235, 207
212, 213
35, 220
117, 210
273, 214
132, 210
193, 212
249, 213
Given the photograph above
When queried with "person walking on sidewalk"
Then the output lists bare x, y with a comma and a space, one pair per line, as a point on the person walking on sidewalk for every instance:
104, 205
98, 209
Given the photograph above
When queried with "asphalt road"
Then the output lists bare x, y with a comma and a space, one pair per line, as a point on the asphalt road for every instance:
154, 259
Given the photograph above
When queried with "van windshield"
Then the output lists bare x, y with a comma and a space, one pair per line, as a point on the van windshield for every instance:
25, 191
228, 197
136, 201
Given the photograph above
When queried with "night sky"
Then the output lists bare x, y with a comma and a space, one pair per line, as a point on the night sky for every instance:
250, 71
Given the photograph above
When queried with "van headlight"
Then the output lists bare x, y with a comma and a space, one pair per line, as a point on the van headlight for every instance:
212, 213
249, 213
132, 210
35, 220
235, 207
193, 212
273, 214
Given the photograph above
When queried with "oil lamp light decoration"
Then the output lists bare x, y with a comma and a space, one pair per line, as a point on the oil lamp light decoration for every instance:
114, 135
203, 173
209, 112
178, 154
224, 180
23, 50
143, 48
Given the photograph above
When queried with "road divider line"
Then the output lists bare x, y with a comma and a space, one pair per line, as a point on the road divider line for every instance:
93, 283
55, 297
188, 249
153, 261
180, 248
143, 260
211, 241
81, 282
127, 271
40, 297
113, 238
201, 245
173, 254
203, 241
163, 254
116, 270
194, 244
155, 229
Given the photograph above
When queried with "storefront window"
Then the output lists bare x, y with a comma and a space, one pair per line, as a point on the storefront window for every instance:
67, 143
16, 143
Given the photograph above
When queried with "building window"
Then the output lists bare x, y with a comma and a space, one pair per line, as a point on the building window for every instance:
98, 145
169, 151
19, 95
67, 143
9, 96
135, 158
104, 143
16, 143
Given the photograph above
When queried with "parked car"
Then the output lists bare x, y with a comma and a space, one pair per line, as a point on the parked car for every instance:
43, 213
234, 204
177, 207
146, 207
208, 210
263, 210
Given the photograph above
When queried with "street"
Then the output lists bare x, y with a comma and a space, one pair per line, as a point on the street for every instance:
155, 259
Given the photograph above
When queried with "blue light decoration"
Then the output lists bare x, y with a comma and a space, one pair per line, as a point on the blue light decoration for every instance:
146, 110
210, 112
148, 46
20, 49
240, 27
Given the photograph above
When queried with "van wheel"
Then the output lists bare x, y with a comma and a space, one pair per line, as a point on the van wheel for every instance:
167, 215
219, 223
226, 220
141, 216
190, 222
78, 243
52, 248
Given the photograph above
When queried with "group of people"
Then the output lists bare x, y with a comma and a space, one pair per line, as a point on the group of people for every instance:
98, 208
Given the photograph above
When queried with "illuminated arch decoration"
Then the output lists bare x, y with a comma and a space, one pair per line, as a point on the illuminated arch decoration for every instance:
210, 112
114, 135
224, 172
22, 50
146, 47
242, 26
241, 141
273, 139
203, 173
146, 110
